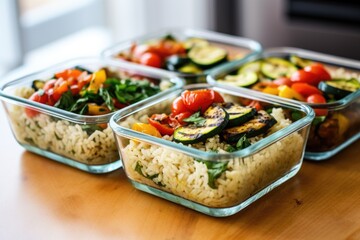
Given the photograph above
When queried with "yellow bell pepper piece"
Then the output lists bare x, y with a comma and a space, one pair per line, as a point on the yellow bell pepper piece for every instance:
146, 128
94, 109
271, 90
97, 80
287, 92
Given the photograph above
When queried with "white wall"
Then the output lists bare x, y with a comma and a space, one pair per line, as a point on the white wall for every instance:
128, 19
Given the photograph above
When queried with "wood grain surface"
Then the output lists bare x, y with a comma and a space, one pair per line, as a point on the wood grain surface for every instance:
42, 199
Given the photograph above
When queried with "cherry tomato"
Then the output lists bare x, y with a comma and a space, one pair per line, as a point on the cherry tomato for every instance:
218, 98
180, 117
83, 81
305, 89
304, 77
167, 48
140, 50
118, 104
40, 97
283, 81
161, 123
66, 74
178, 106
151, 59
199, 99
74, 89
255, 104
317, 98
49, 84
319, 71
59, 89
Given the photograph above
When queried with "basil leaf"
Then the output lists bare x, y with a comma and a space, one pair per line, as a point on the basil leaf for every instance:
242, 143
66, 101
107, 99
196, 119
214, 170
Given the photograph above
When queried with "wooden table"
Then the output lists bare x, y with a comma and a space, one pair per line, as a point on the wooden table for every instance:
42, 199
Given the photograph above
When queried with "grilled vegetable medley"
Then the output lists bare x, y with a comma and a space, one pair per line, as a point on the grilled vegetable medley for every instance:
90, 93
192, 56
201, 114
308, 81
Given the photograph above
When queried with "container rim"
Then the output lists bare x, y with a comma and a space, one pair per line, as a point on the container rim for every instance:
295, 126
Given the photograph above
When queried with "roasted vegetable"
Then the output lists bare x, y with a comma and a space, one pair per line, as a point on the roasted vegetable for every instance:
207, 56
274, 68
259, 125
238, 114
213, 121
339, 88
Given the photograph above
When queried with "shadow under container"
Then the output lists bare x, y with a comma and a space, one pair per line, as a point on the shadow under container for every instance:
237, 47
341, 126
182, 173
81, 141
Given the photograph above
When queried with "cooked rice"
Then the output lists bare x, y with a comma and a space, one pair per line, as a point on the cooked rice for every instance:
181, 175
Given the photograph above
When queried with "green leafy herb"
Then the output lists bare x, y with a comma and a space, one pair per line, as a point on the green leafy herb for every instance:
214, 170
66, 101
90, 129
138, 168
242, 143
104, 93
296, 115
169, 37
196, 119
318, 120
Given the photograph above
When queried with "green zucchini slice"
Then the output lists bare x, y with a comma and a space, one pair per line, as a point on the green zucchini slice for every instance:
339, 88
207, 56
175, 62
195, 42
215, 119
245, 79
256, 126
238, 114
274, 68
37, 84
300, 62
190, 68
250, 67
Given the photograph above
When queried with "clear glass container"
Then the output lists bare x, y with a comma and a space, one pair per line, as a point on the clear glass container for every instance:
237, 47
341, 126
184, 174
81, 141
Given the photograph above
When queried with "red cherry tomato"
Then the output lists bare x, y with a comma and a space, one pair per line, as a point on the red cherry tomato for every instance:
178, 106
162, 123
138, 51
74, 89
317, 98
304, 77
283, 81
167, 48
40, 97
180, 117
305, 89
59, 89
49, 84
255, 104
319, 71
218, 98
151, 59
68, 73
200, 100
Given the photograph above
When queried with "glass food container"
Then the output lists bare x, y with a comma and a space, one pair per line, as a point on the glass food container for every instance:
200, 51
81, 141
214, 181
338, 123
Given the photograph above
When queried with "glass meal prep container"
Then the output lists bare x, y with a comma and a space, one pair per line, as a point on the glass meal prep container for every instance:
337, 122
190, 53
211, 176
82, 141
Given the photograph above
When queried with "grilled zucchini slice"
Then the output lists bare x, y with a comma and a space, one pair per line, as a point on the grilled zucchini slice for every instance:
300, 62
250, 67
256, 126
215, 119
274, 68
37, 84
339, 88
238, 114
207, 56
195, 42
245, 79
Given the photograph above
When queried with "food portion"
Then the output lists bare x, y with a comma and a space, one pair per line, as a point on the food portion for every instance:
307, 81
190, 56
216, 123
81, 92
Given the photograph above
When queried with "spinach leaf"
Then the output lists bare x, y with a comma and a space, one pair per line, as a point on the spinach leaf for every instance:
66, 101
196, 119
138, 168
104, 93
215, 169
